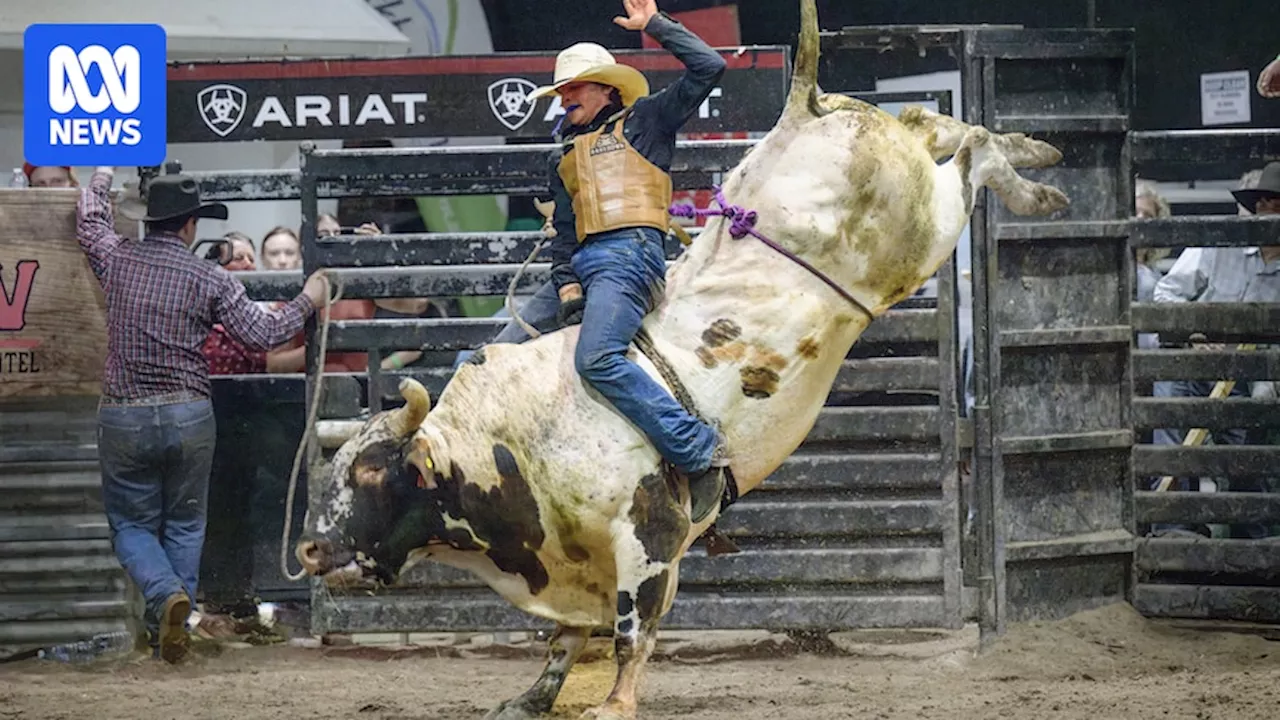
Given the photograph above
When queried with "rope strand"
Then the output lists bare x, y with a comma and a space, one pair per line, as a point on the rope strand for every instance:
308, 434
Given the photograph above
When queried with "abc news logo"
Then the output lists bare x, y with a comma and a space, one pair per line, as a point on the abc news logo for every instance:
94, 94
69, 90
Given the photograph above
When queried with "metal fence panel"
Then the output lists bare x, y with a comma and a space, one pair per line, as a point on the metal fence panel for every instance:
1051, 330
1232, 573
59, 579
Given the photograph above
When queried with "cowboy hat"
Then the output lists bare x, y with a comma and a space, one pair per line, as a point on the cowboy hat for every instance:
1268, 187
589, 62
171, 196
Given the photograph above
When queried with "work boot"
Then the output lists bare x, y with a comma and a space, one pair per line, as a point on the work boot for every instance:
174, 640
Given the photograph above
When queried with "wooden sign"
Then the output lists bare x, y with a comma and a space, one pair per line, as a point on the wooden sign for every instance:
53, 339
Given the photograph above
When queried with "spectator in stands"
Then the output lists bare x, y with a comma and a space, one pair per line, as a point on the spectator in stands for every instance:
1227, 274
406, 308
328, 226
49, 176
236, 253
1148, 204
156, 428
226, 355
281, 249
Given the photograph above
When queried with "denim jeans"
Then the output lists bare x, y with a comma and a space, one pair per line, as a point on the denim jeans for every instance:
539, 311
623, 273
155, 487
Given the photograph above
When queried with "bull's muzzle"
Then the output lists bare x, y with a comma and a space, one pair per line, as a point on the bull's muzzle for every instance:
315, 556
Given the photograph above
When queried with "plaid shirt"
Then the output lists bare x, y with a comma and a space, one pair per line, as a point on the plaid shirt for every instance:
162, 301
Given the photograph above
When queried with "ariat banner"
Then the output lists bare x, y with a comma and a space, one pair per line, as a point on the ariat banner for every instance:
451, 96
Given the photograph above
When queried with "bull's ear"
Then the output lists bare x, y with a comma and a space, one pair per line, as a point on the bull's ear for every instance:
429, 453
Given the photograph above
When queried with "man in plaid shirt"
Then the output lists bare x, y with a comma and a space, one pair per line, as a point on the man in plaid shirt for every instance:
155, 421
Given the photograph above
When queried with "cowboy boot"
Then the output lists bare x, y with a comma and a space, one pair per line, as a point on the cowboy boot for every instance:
707, 488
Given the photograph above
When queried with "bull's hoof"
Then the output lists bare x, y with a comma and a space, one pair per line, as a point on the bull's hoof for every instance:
607, 711
511, 710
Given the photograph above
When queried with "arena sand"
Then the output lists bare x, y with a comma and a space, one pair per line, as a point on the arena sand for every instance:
1097, 665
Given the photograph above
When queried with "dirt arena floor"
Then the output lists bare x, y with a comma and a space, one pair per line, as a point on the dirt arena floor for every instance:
1102, 664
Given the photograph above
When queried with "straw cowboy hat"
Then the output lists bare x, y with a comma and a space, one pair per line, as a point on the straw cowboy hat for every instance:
589, 62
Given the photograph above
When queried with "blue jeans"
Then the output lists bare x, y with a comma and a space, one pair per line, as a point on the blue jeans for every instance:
539, 311
623, 273
155, 487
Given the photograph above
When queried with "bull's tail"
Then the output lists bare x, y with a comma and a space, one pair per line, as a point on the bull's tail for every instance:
802, 101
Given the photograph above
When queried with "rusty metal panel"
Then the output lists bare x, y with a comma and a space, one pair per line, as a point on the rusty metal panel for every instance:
1052, 335
1205, 231
1235, 573
1210, 461
1205, 364
1170, 155
59, 578
1208, 602
1196, 507
1216, 321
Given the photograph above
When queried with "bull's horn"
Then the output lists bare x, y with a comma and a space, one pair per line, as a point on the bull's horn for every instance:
408, 419
802, 101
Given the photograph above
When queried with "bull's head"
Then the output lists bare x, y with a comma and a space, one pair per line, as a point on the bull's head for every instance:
377, 505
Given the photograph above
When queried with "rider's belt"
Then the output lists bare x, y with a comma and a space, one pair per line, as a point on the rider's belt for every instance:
612, 185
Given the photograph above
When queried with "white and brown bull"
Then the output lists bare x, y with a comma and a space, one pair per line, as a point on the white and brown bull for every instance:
524, 476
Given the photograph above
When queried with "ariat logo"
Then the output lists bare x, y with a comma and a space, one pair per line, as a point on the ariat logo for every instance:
606, 144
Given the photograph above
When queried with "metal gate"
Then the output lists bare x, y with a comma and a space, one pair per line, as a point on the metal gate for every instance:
857, 529
59, 579
1220, 577
1050, 314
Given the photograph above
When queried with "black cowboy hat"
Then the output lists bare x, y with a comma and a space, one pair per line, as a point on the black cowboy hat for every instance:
1268, 187
171, 196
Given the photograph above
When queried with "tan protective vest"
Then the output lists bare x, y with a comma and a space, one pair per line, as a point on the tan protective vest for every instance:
612, 185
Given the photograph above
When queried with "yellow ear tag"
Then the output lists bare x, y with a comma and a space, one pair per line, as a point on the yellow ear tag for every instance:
422, 480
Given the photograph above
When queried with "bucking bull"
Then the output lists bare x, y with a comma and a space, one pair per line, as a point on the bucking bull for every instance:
525, 477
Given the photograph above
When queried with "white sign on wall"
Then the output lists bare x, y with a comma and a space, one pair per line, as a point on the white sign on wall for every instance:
1224, 98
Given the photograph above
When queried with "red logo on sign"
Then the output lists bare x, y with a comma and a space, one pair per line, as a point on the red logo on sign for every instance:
13, 305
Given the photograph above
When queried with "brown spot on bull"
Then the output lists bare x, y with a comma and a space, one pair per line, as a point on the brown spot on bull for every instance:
650, 595
661, 524
768, 358
758, 382
808, 348
720, 332
504, 517
964, 163
728, 353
